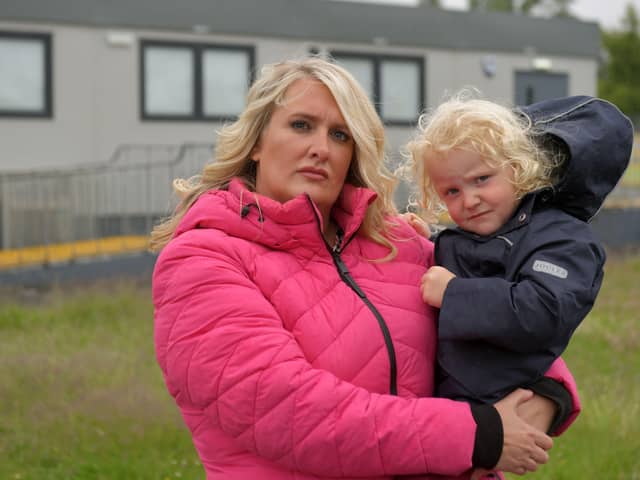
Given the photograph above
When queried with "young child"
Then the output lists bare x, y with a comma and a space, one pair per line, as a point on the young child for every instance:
523, 267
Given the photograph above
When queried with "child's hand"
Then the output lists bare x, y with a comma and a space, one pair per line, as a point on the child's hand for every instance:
434, 283
418, 224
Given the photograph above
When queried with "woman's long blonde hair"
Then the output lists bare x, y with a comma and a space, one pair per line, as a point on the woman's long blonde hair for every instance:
502, 137
236, 142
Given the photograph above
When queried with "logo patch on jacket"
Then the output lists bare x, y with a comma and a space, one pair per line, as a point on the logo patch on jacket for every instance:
550, 268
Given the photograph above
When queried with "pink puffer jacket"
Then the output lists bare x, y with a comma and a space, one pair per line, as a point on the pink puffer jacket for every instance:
279, 368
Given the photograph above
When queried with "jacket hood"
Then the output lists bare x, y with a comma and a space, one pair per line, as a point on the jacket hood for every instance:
598, 139
245, 214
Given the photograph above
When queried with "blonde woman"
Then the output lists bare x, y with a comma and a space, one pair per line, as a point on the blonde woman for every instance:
288, 321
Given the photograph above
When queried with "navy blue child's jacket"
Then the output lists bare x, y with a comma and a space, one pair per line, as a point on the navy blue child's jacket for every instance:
521, 292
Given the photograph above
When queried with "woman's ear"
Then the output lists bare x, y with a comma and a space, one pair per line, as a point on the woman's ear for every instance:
255, 153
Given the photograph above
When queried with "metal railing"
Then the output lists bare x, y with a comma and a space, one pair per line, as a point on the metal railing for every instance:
112, 206
121, 197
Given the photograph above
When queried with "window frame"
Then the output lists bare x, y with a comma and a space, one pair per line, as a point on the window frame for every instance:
377, 60
197, 49
47, 100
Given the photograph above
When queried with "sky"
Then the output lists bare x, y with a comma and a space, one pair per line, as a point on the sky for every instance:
608, 13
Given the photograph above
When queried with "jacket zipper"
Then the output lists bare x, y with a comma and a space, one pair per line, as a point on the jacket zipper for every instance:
346, 277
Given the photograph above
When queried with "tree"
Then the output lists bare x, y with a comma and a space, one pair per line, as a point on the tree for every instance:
620, 74
492, 5
552, 8
630, 20
546, 8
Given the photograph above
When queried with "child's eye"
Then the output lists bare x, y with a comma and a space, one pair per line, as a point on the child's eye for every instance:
341, 135
300, 125
482, 179
450, 192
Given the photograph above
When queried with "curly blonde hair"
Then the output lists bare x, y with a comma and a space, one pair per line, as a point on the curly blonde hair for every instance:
501, 136
237, 140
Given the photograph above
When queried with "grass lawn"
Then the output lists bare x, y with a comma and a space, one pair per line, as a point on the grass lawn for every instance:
81, 396
631, 177
604, 356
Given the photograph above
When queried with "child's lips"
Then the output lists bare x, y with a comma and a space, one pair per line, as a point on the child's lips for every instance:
475, 216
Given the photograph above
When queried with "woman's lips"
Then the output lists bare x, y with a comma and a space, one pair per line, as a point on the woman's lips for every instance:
314, 173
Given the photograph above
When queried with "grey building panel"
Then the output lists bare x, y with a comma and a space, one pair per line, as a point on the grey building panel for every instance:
325, 20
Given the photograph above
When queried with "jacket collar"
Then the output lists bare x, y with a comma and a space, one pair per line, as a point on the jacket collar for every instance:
245, 214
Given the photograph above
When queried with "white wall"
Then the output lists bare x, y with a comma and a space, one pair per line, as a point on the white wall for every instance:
96, 104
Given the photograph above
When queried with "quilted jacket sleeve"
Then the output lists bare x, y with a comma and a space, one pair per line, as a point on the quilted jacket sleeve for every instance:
223, 350
553, 292
561, 374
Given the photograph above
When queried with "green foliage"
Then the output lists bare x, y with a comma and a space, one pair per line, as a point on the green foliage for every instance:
82, 398
492, 5
631, 177
630, 21
528, 5
548, 8
620, 75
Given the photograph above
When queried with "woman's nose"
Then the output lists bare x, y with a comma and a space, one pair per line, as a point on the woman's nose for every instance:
319, 147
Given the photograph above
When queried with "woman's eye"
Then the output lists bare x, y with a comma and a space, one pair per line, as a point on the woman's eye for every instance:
341, 136
300, 125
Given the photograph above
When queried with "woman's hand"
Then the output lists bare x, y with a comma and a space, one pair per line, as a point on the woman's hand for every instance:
538, 412
525, 447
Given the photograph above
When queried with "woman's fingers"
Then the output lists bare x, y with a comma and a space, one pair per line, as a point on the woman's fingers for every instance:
517, 397
531, 465
540, 456
543, 440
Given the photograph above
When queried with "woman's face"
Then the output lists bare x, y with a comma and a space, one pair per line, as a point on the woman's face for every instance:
305, 148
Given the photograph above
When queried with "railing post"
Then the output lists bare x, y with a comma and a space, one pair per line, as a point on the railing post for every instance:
4, 240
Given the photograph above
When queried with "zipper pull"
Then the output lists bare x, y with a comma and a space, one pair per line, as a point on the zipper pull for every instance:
344, 273
339, 239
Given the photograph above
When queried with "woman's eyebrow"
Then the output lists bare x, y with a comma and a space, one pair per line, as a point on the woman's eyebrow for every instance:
311, 116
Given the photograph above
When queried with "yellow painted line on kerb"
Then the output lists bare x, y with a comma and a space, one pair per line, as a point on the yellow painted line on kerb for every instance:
64, 252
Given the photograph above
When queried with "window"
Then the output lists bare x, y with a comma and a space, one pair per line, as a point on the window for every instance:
183, 81
395, 84
25, 81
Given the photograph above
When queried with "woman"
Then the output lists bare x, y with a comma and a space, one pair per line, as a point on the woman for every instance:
288, 321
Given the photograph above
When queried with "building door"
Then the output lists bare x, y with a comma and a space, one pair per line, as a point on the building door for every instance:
535, 86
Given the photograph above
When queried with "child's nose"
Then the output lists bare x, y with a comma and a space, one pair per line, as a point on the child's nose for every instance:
470, 200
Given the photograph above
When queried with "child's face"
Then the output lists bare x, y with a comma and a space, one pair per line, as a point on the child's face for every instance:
479, 198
